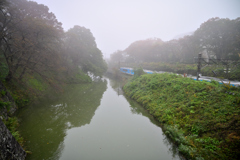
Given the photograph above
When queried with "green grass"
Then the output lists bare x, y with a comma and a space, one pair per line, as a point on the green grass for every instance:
12, 124
201, 117
37, 84
4, 104
81, 77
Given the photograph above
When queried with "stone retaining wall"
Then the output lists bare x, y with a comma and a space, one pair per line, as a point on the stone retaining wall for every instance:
9, 147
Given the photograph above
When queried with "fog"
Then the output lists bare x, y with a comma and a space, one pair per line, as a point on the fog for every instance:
115, 24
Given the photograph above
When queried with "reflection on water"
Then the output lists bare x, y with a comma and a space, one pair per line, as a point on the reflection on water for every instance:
116, 86
89, 122
138, 109
44, 124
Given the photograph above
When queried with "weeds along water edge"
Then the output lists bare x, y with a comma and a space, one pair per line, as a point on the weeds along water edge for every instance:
202, 118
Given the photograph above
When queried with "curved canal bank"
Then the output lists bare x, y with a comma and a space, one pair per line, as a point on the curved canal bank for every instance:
93, 121
201, 117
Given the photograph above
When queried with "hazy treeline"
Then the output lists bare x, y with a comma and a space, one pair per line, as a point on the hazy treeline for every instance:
32, 41
220, 38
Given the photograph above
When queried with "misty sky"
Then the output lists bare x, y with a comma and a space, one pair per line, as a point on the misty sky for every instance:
115, 24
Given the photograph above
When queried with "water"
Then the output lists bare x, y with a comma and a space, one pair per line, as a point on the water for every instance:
93, 122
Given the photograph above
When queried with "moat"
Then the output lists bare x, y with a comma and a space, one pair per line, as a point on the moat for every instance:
93, 122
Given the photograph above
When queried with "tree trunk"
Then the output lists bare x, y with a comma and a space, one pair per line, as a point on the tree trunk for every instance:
23, 72
9, 76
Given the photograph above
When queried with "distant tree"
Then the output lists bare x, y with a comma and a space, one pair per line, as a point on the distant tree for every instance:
117, 56
83, 52
221, 36
172, 51
144, 50
188, 49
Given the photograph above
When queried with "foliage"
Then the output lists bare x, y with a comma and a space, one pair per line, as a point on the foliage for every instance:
118, 56
36, 84
218, 37
171, 67
144, 50
36, 54
83, 50
78, 77
19, 94
4, 104
138, 72
201, 117
191, 69
32, 42
3, 92
12, 124
28, 38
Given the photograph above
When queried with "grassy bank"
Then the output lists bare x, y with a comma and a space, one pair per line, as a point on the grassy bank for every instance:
201, 117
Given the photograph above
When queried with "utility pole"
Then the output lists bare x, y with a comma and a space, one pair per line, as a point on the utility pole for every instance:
199, 65
227, 70
229, 65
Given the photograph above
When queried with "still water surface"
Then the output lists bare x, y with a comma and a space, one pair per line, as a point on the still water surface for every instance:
93, 122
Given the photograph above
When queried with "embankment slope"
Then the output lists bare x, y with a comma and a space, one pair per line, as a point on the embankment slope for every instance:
201, 117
